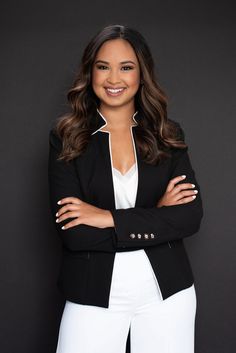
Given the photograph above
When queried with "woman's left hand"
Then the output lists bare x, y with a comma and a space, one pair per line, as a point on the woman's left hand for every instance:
84, 213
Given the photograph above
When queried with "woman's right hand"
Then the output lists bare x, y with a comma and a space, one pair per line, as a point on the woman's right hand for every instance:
177, 194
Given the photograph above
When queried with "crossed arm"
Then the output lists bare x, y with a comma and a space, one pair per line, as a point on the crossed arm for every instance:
165, 223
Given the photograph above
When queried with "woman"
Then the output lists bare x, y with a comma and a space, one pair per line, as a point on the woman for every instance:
124, 195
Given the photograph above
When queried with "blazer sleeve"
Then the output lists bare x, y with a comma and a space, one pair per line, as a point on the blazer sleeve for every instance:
167, 223
64, 182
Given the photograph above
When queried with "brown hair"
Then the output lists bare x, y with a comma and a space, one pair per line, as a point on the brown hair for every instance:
155, 133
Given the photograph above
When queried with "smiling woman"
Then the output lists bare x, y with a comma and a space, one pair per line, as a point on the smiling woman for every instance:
112, 90
117, 165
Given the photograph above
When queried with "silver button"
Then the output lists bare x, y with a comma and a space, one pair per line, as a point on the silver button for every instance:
132, 235
139, 235
146, 236
152, 235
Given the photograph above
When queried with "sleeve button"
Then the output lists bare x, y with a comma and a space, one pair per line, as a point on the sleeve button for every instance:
152, 235
139, 235
146, 236
132, 235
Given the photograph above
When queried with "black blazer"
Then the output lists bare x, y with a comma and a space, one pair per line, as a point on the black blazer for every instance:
88, 252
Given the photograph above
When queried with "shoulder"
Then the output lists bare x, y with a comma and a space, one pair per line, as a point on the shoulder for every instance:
179, 135
54, 138
179, 131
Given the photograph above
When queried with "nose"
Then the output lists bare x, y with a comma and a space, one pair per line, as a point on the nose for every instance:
113, 77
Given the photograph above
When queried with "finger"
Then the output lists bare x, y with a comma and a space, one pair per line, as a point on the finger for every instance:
186, 200
70, 199
174, 181
178, 188
68, 215
182, 194
67, 207
186, 193
73, 223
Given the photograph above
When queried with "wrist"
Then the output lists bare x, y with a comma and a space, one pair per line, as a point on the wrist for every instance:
159, 205
109, 221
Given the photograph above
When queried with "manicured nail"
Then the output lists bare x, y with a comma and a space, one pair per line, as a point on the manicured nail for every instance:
183, 176
195, 191
56, 214
57, 220
64, 227
194, 196
59, 202
193, 185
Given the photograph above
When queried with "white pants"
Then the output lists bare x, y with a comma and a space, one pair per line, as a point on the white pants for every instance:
156, 325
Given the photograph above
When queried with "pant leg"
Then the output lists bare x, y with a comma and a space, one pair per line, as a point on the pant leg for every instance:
90, 329
93, 329
164, 326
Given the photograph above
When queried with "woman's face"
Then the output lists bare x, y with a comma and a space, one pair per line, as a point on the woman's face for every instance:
116, 67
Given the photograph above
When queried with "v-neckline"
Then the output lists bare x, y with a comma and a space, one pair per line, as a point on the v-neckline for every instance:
128, 171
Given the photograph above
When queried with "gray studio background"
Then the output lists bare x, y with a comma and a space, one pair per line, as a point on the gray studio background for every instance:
193, 44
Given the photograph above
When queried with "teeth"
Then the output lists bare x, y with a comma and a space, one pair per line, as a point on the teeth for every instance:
114, 90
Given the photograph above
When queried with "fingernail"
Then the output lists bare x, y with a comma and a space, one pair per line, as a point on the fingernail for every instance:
59, 202
193, 185
195, 191
183, 176
64, 227
193, 196
56, 214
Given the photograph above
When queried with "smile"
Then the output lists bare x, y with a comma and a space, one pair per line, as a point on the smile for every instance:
114, 92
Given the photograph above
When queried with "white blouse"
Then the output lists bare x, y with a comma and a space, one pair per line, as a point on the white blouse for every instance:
125, 187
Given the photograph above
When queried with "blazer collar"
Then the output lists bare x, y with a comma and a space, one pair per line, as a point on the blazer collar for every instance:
100, 121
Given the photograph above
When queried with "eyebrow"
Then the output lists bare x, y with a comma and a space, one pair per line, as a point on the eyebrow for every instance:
122, 62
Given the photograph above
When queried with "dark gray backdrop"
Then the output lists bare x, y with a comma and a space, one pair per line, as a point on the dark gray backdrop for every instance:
193, 44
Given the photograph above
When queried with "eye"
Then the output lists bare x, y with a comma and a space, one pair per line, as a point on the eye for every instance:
127, 67
100, 66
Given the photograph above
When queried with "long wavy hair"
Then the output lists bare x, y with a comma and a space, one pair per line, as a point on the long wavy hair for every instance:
155, 133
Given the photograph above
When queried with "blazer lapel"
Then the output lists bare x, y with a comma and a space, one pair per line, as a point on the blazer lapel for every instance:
106, 173
141, 176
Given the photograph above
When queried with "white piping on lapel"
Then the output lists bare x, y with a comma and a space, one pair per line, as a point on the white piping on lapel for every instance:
99, 129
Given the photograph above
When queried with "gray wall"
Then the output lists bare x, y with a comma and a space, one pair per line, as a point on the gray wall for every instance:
193, 44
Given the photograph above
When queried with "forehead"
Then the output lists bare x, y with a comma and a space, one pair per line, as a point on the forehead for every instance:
116, 50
